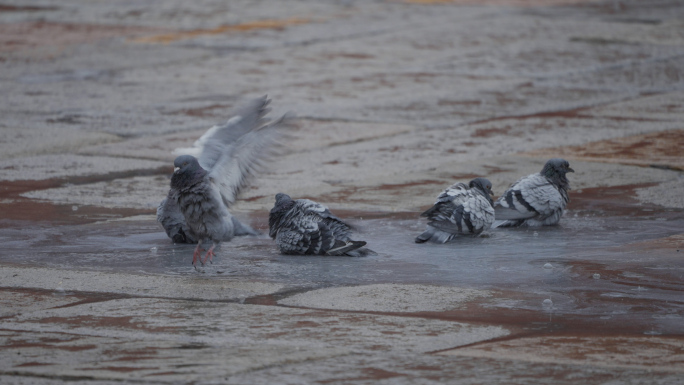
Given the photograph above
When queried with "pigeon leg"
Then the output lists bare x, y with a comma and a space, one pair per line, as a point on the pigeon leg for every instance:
198, 253
210, 254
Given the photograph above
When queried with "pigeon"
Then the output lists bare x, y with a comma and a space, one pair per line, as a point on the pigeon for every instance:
305, 227
208, 178
537, 199
460, 210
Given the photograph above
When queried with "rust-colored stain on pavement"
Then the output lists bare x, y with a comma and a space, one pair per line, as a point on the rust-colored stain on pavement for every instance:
243, 27
126, 322
662, 149
16, 36
29, 8
657, 353
46, 343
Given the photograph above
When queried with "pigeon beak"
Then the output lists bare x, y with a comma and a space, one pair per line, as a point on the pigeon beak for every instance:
175, 169
570, 170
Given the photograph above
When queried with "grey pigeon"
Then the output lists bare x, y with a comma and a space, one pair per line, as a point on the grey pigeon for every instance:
305, 227
537, 199
460, 210
205, 184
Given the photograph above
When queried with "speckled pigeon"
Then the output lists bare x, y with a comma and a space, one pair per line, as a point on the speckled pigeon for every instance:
537, 199
209, 177
460, 210
305, 227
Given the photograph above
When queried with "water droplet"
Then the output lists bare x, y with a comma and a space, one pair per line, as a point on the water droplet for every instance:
74, 208
652, 333
547, 303
596, 276
535, 234
153, 250
548, 266
59, 290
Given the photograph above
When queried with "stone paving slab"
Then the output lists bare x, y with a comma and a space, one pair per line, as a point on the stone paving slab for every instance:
666, 106
26, 301
172, 340
431, 369
111, 194
659, 75
666, 194
21, 142
554, 58
386, 298
649, 352
156, 359
66, 281
43, 167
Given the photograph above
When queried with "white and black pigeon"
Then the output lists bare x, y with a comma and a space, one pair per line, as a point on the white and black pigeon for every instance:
537, 199
460, 210
305, 227
209, 176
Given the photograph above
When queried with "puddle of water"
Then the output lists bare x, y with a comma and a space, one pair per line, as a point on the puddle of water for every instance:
607, 264
549, 271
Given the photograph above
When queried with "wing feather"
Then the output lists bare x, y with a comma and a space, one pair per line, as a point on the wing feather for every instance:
245, 157
220, 139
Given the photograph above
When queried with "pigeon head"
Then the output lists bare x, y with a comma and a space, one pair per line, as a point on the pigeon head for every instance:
282, 205
185, 163
282, 198
555, 170
186, 172
485, 187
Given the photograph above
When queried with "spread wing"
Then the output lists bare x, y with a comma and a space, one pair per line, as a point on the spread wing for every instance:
219, 138
238, 150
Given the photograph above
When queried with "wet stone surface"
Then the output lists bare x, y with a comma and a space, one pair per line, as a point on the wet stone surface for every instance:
639, 270
396, 100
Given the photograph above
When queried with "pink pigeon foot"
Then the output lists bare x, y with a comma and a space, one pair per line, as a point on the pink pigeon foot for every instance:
209, 255
198, 253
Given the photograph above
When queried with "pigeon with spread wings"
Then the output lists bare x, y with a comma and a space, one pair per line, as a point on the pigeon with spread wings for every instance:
208, 177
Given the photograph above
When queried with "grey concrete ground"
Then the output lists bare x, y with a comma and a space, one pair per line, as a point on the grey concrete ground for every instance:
396, 100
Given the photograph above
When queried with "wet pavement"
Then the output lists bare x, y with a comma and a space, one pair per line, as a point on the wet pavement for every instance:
395, 101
